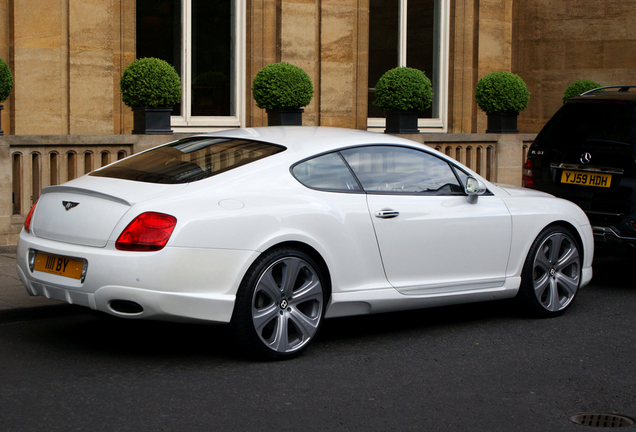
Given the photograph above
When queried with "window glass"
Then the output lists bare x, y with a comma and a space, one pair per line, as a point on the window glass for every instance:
188, 160
159, 33
402, 33
198, 38
212, 55
577, 123
327, 172
401, 170
383, 44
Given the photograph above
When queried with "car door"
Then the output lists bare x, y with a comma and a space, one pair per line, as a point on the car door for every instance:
432, 239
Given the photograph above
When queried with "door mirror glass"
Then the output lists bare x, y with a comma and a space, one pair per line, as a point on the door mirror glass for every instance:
474, 186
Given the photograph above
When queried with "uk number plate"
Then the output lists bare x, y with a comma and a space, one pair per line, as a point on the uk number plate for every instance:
586, 178
58, 265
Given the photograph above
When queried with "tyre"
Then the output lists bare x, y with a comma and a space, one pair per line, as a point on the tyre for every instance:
280, 305
551, 273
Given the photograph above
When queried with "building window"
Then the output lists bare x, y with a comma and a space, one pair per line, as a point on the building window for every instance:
204, 41
411, 33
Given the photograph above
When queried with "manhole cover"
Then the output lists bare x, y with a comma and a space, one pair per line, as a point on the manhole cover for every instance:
602, 420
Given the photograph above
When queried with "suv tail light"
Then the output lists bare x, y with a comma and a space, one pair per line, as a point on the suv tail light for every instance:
527, 180
147, 232
27, 221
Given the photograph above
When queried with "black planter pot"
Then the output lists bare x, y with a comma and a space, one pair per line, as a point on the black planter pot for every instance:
285, 117
1, 131
502, 122
401, 122
152, 121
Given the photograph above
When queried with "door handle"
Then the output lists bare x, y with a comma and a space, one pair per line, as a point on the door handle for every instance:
387, 214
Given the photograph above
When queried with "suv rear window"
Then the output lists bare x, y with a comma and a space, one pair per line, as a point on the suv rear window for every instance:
596, 121
188, 160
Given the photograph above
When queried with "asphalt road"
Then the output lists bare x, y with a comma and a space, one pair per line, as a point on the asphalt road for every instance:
479, 367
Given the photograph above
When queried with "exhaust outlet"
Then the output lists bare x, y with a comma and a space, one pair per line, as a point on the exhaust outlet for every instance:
126, 307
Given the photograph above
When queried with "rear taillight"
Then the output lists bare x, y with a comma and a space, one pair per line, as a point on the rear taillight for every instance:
526, 179
27, 222
147, 232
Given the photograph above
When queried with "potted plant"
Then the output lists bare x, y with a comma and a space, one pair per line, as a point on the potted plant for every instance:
6, 85
579, 87
502, 95
282, 89
151, 87
403, 93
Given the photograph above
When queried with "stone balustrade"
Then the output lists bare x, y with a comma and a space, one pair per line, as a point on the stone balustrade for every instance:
29, 163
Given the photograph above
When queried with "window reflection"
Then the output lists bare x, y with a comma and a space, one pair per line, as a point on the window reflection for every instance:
401, 170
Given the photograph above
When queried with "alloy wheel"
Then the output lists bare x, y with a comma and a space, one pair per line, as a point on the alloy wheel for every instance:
556, 271
287, 305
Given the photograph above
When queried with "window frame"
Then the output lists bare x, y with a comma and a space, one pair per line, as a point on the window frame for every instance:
452, 166
439, 120
188, 123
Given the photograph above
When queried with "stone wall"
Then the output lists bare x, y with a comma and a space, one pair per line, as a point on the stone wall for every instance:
480, 43
558, 42
329, 40
66, 58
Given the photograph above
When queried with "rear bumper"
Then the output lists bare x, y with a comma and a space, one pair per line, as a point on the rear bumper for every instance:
174, 284
609, 236
181, 307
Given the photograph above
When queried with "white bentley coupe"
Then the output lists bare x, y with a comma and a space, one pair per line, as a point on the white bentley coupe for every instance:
274, 229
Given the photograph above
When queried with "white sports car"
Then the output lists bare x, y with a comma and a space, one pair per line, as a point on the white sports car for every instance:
274, 229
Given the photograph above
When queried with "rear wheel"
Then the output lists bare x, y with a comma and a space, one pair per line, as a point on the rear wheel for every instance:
280, 304
552, 273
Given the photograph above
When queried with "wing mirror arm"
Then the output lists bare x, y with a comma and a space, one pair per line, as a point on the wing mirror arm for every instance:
473, 189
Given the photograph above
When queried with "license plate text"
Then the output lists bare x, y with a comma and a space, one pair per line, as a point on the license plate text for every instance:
586, 179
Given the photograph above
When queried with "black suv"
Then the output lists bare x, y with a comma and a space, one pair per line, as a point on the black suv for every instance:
586, 153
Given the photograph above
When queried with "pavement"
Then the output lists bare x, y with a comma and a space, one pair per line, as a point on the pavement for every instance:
15, 303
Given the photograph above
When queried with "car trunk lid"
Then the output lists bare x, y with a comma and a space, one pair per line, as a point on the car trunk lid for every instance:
86, 211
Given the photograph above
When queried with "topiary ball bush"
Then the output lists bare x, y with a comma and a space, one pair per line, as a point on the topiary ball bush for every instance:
6, 81
150, 82
502, 92
578, 87
282, 85
403, 89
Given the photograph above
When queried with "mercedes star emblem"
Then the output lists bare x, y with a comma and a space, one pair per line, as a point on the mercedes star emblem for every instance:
586, 158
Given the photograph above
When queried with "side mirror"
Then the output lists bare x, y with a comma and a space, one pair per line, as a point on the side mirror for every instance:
474, 188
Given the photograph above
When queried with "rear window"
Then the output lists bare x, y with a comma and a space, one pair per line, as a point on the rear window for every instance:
601, 121
188, 160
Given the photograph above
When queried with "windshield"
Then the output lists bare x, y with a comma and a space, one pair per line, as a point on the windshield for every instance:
188, 160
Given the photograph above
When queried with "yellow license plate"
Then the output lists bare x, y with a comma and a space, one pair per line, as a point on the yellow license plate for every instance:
586, 178
58, 265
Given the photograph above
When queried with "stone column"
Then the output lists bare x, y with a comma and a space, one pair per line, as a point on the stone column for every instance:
509, 164
495, 43
481, 42
6, 187
344, 43
299, 41
463, 55
262, 49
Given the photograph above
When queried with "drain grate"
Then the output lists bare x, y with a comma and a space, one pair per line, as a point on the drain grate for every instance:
602, 420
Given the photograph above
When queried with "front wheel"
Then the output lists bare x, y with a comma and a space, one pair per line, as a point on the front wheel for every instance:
551, 273
280, 304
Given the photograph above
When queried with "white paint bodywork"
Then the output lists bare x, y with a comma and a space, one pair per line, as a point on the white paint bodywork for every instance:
440, 250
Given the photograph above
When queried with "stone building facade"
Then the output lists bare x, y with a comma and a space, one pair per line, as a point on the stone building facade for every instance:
67, 56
